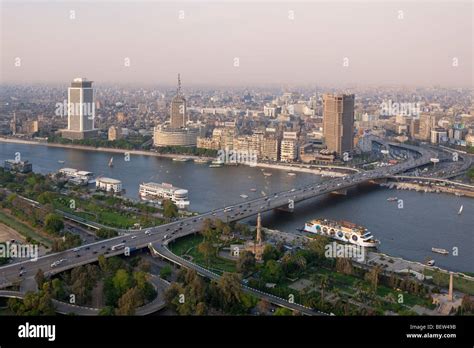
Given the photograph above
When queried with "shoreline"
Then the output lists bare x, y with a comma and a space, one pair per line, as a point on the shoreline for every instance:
320, 170
398, 265
428, 189
99, 149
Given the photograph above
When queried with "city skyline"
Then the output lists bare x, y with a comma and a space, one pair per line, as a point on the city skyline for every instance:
281, 44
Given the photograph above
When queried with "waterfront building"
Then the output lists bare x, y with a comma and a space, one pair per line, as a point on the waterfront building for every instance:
78, 177
18, 166
177, 133
289, 147
108, 185
163, 136
338, 122
154, 191
207, 143
114, 133
271, 148
81, 110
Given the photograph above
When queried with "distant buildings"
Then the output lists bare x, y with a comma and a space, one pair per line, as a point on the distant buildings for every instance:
439, 135
177, 133
271, 148
27, 127
178, 109
81, 110
114, 133
289, 147
338, 122
18, 166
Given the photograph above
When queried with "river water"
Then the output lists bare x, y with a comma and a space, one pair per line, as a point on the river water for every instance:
427, 219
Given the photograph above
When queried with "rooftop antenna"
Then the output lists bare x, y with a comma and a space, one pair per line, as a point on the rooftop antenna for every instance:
179, 84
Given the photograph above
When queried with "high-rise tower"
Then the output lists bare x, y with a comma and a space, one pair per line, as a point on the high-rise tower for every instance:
80, 110
338, 122
178, 109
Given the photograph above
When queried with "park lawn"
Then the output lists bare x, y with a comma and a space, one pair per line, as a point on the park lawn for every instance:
188, 245
461, 284
23, 229
408, 299
101, 214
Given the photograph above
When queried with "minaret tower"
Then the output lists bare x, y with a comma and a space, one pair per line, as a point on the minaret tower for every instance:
259, 229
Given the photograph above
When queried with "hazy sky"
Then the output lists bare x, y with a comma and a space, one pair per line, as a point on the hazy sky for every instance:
272, 48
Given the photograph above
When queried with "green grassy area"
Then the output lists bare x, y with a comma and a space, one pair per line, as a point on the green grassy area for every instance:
104, 215
464, 285
188, 245
23, 229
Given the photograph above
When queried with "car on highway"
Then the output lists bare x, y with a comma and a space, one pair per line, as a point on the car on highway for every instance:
147, 233
133, 237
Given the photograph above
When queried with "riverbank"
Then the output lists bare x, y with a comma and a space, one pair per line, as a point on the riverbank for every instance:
301, 169
463, 282
429, 189
319, 170
101, 149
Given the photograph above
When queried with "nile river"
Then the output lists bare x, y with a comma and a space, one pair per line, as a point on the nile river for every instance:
427, 219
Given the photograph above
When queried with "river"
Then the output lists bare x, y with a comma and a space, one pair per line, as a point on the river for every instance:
427, 219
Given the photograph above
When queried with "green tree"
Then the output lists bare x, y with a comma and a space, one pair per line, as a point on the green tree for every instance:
165, 272
40, 278
206, 248
283, 312
246, 262
170, 210
272, 272
53, 223
324, 282
230, 289
270, 253
129, 302
121, 281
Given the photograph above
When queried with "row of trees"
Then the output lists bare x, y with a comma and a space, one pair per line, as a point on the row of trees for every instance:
125, 289
191, 295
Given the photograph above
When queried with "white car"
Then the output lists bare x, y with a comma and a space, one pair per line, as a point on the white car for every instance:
133, 237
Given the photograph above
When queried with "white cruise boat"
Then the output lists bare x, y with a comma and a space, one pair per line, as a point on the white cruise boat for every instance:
152, 191
343, 231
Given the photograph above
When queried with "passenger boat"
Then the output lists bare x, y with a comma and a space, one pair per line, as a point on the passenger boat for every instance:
343, 231
391, 199
440, 251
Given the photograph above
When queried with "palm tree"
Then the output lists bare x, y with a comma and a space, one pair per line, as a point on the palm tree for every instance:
323, 285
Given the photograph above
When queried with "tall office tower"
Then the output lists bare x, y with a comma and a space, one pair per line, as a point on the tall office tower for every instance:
338, 122
427, 123
81, 110
178, 109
